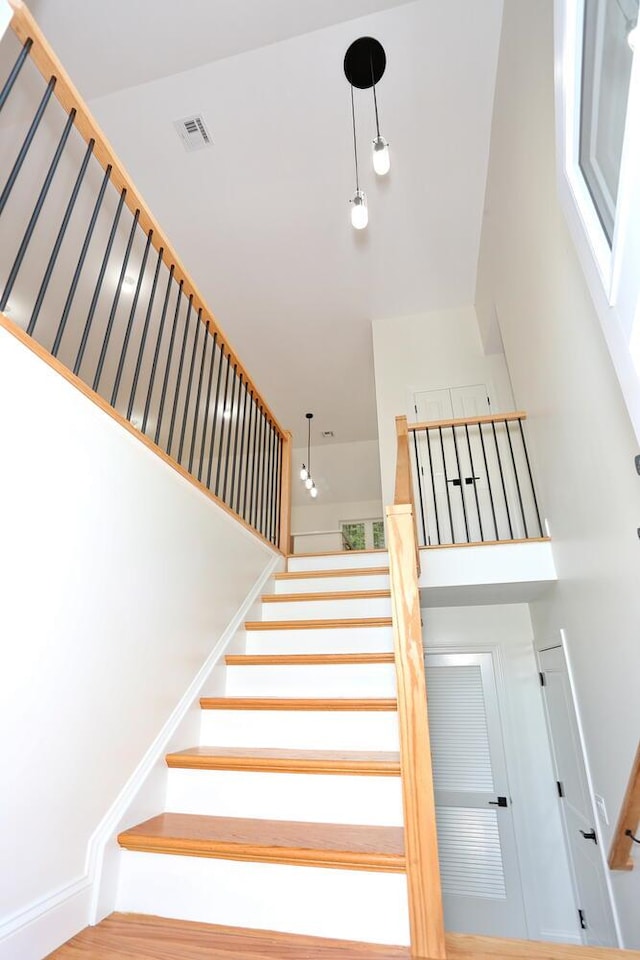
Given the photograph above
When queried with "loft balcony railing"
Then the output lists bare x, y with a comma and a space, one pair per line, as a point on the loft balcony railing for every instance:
89, 281
473, 479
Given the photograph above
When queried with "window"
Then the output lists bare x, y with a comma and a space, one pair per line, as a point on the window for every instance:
363, 534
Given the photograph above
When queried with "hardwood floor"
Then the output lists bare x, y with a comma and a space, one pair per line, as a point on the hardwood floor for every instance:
133, 937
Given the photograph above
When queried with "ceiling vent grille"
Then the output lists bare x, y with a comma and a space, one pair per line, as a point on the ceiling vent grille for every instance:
193, 132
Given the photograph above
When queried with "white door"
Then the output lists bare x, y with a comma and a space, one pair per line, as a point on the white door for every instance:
578, 815
453, 477
481, 886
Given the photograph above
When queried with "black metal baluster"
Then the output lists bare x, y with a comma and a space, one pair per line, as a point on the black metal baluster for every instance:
274, 487
433, 485
515, 473
251, 423
189, 383
15, 70
156, 352
80, 264
116, 300
461, 481
264, 477
486, 468
24, 149
418, 469
533, 489
224, 419
207, 407
42, 196
230, 421
269, 485
279, 493
504, 489
60, 237
176, 395
143, 338
473, 480
98, 286
256, 498
132, 312
215, 415
196, 414
235, 445
446, 486
167, 367
242, 463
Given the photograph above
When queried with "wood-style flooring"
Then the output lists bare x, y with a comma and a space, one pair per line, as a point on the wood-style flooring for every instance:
134, 937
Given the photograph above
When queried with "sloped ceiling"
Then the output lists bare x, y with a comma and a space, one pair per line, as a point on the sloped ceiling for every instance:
261, 218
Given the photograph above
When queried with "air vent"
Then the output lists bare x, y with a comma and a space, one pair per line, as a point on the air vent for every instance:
193, 133
327, 434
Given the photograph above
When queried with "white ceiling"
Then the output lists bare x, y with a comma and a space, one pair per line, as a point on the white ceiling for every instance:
261, 219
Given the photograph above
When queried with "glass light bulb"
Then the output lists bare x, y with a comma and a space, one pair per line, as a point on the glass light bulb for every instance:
308, 483
632, 37
381, 156
314, 491
359, 212
304, 473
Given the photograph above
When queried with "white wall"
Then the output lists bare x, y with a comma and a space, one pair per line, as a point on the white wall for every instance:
430, 351
347, 476
118, 578
581, 439
505, 631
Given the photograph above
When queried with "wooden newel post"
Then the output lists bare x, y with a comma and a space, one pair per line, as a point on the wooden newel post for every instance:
404, 479
285, 495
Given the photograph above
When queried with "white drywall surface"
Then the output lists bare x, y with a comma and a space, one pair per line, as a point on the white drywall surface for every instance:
118, 578
581, 440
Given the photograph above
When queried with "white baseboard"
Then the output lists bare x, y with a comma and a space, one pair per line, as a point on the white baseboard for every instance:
34, 932
562, 936
102, 852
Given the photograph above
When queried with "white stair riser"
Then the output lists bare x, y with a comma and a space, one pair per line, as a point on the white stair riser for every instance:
300, 729
319, 798
321, 640
378, 581
349, 560
333, 680
327, 609
346, 904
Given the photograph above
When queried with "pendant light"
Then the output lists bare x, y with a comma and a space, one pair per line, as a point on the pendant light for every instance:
305, 470
359, 211
381, 156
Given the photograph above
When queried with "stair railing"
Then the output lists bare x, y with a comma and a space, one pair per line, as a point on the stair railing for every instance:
628, 827
420, 836
474, 481
93, 286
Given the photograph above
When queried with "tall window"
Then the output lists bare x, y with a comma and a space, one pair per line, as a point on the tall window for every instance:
363, 534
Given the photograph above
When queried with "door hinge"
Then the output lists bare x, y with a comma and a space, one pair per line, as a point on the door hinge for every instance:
488, 402
582, 919
560, 788
415, 407
543, 679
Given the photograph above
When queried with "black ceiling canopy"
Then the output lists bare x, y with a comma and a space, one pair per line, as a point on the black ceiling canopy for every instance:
365, 62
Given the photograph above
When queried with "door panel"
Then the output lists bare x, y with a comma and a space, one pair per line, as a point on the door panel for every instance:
578, 815
481, 884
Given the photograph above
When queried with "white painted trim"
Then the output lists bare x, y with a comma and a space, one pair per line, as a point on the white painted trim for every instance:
38, 929
106, 829
561, 936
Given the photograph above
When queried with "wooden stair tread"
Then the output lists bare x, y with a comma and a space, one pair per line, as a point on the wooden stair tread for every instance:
321, 574
334, 595
298, 703
337, 553
317, 624
358, 762
304, 659
277, 841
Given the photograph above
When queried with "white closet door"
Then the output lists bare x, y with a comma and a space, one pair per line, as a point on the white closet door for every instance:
481, 884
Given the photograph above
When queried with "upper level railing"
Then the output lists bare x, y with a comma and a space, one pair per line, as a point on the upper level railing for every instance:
628, 826
88, 274
474, 480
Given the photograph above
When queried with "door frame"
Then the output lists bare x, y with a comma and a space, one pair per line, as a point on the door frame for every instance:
561, 643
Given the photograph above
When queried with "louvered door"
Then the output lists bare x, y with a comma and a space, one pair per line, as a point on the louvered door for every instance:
480, 875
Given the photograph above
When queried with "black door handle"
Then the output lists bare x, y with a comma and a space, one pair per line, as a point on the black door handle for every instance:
591, 835
500, 802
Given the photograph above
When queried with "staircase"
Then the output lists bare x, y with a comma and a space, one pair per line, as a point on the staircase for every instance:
287, 815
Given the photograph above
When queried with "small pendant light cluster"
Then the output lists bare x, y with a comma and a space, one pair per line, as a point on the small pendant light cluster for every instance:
305, 469
364, 65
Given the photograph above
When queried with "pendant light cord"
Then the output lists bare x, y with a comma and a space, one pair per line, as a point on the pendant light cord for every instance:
355, 153
309, 445
375, 99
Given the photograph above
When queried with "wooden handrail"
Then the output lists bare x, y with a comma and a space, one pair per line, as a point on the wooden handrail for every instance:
467, 421
420, 837
25, 27
620, 855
